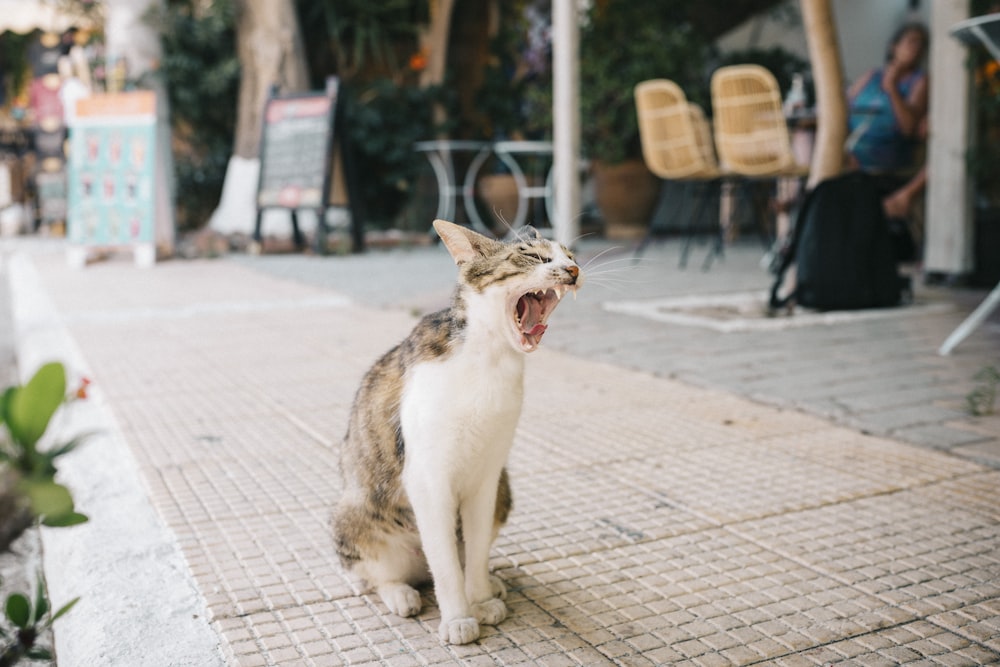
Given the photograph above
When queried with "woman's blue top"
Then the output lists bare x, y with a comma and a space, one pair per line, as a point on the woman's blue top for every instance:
882, 147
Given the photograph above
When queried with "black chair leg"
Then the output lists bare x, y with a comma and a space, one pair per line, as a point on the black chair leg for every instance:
651, 232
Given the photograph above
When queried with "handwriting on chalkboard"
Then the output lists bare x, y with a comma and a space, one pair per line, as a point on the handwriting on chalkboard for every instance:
295, 151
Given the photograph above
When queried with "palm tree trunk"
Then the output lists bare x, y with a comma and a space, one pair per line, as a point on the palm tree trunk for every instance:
271, 54
828, 77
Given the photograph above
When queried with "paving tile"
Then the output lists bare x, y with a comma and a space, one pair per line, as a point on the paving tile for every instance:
917, 643
896, 465
978, 622
656, 522
741, 481
700, 595
584, 509
975, 492
910, 416
914, 552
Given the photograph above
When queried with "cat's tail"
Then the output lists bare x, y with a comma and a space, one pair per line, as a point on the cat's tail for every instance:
348, 525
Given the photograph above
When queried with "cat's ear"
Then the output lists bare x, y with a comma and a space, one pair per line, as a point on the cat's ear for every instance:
464, 244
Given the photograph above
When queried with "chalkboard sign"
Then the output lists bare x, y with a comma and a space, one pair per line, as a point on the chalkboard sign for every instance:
296, 161
295, 151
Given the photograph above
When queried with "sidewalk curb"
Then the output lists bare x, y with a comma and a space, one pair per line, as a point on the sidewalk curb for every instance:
139, 604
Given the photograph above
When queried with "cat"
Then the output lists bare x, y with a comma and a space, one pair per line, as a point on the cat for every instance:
425, 484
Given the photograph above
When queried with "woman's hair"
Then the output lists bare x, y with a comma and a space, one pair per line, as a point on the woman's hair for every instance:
901, 31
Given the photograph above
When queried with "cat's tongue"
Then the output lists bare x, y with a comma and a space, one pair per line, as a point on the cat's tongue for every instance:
530, 309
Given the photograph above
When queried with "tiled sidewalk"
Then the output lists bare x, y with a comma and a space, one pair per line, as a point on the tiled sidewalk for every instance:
654, 523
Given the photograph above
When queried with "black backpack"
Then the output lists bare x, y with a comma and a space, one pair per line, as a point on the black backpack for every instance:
842, 250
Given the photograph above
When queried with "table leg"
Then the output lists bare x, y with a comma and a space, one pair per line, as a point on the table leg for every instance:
469, 191
977, 317
445, 179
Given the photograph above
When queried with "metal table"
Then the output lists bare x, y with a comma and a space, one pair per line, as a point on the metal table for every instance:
441, 154
508, 152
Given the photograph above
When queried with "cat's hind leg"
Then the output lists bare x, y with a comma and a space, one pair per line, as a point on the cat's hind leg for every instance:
395, 569
388, 558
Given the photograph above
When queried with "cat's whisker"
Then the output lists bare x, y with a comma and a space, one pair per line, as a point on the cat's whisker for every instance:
598, 256
624, 261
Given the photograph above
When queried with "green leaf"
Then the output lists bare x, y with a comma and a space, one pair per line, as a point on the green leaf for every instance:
5, 401
47, 498
29, 408
65, 520
18, 610
64, 609
41, 599
38, 653
66, 448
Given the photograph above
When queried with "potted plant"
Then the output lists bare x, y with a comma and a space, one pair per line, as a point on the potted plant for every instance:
984, 161
517, 63
623, 42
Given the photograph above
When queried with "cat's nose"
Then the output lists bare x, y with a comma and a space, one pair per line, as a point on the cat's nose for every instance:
573, 270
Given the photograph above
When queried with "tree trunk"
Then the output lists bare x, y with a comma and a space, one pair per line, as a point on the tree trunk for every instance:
434, 42
828, 77
271, 54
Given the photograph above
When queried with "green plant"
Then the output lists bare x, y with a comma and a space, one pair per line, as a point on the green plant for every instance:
982, 400
383, 120
28, 620
26, 411
360, 39
372, 47
984, 147
202, 74
518, 61
623, 42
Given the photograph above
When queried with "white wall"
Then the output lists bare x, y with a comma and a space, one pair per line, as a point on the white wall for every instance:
863, 28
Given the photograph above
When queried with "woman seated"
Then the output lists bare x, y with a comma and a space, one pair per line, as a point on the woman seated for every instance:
888, 120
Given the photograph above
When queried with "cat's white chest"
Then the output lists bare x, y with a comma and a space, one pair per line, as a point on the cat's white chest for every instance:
463, 411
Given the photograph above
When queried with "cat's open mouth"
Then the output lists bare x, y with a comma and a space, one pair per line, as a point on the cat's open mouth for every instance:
531, 312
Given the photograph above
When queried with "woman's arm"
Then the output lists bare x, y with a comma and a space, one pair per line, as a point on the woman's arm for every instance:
859, 85
911, 110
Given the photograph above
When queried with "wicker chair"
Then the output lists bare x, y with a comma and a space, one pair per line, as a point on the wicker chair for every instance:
751, 136
677, 146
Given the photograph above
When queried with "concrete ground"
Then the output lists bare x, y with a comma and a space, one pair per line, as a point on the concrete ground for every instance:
807, 491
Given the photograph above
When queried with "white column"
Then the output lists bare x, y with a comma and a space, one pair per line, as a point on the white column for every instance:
566, 120
948, 244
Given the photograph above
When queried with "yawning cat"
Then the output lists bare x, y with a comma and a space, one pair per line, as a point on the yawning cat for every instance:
425, 488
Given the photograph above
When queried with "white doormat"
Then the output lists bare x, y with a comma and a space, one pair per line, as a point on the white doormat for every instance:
747, 311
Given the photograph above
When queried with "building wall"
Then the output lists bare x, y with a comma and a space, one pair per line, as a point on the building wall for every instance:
863, 28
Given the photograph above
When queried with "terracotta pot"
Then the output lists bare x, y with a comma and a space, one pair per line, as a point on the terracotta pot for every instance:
498, 193
625, 194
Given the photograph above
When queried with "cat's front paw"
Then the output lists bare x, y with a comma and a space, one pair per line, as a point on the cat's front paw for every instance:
498, 589
459, 630
402, 600
490, 612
